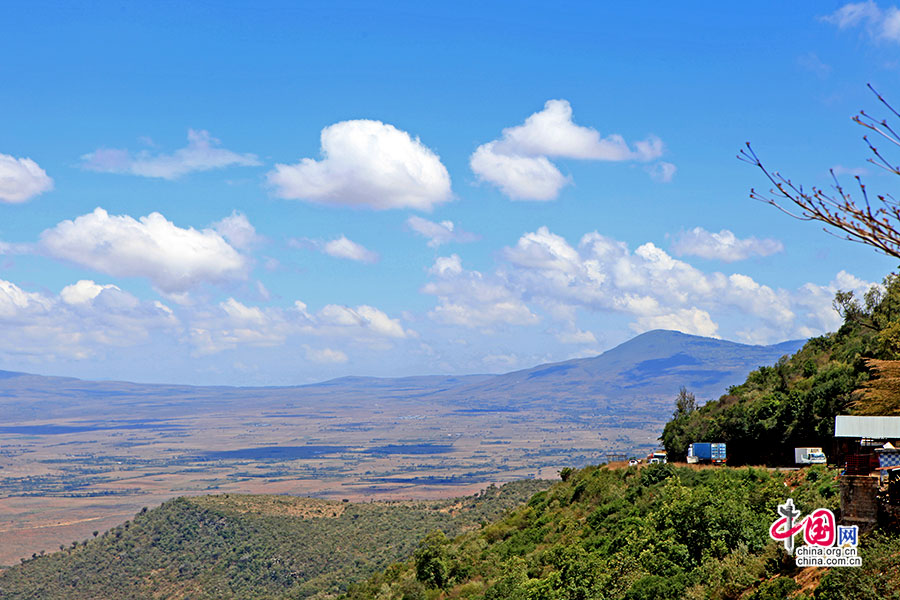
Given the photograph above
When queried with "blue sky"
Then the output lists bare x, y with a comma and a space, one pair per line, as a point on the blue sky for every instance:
222, 193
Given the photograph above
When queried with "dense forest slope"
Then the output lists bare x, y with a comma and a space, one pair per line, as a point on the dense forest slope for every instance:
237, 546
659, 532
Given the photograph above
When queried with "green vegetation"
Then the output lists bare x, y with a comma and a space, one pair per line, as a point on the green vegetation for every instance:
793, 403
660, 532
236, 546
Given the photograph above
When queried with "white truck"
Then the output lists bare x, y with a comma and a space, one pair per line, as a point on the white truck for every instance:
809, 456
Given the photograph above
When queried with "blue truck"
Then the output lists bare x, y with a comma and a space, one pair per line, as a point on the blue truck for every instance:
707, 452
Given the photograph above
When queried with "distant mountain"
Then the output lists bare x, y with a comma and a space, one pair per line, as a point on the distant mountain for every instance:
640, 376
649, 367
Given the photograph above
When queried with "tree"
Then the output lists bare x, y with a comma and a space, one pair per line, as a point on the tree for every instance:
685, 403
874, 222
431, 560
677, 433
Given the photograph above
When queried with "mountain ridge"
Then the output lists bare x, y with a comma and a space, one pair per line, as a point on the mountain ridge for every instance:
648, 340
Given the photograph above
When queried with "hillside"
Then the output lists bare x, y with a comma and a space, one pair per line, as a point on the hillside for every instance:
236, 546
655, 533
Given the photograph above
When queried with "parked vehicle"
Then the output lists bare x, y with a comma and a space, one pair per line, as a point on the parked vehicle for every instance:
809, 456
660, 457
707, 452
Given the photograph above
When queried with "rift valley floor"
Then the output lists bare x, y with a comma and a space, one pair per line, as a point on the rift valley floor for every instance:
78, 457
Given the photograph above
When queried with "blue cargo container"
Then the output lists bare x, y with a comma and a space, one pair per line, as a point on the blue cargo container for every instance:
706, 452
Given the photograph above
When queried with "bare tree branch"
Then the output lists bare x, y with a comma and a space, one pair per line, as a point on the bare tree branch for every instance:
875, 223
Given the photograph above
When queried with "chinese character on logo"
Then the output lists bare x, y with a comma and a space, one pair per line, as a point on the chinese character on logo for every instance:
818, 527
848, 535
788, 515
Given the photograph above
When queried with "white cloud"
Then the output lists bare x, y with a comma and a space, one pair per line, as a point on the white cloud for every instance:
21, 179
446, 265
551, 132
723, 246
233, 324
814, 302
326, 356
661, 171
519, 177
852, 171
601, 275
173, 258
83, 292
365, 317
341, 247
84, 320
345, 248
518, 162
879, 24
439, 233
576, 336
693, 321
238, 231
469, 299
203, 153
366, 164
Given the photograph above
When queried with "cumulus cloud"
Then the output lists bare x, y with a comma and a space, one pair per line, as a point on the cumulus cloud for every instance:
366, 164
173, 258
203, 153
83, 292
233, 324
879, 24
518, 162
341, 247
519, 177
238, 231
551, 132
686, 320
325, 356
363, 317
21, 179
469, 299
84, 319
723, 246
444, 232
345, 248
603, 276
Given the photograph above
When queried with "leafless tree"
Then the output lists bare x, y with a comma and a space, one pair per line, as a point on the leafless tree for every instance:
874, 222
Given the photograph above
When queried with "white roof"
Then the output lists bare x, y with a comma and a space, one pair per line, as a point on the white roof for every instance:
876, 428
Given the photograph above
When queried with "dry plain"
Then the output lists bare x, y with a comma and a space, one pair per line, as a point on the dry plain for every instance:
60, 486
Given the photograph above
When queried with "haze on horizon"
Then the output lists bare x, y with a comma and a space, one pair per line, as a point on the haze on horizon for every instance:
240, 195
